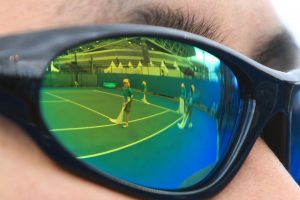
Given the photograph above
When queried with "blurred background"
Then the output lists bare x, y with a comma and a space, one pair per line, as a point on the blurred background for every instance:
289, 12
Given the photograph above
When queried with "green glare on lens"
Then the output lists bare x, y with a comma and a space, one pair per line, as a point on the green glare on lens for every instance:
150, 111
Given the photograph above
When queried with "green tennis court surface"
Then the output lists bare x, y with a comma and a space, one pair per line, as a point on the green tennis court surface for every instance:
79, 118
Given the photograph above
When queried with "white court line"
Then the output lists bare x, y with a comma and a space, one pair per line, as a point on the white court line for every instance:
52, 101
78, 104
131, 144
106, 125
136, 100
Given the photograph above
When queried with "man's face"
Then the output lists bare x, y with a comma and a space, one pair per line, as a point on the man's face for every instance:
248, 27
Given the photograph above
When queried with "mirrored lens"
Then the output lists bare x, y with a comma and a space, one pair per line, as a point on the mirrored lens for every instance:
154, 112
295, 140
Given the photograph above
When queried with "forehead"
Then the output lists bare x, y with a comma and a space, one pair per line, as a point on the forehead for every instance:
239, 23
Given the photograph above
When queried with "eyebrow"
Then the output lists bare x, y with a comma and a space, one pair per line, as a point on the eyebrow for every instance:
178, 19
279, 52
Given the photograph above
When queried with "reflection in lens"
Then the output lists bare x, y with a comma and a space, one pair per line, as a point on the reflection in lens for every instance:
295, 140
150, 111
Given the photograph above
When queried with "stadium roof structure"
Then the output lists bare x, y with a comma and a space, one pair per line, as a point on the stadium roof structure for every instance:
167, 46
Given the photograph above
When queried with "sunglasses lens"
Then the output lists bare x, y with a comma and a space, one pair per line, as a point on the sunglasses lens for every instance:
150, 111
295, 140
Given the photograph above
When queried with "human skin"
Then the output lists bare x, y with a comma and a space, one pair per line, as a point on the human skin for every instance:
27, 173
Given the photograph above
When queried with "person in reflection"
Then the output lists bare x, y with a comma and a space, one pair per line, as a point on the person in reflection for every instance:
76, 83
145, 89
126, 106
189, 109
128, 97
182, 97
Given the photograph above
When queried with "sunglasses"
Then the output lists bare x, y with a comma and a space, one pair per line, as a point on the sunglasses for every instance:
150, 111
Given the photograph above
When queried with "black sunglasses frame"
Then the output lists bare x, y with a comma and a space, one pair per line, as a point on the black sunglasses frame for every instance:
264, 93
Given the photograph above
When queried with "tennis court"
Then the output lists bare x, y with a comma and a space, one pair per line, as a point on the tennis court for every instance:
153, 144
